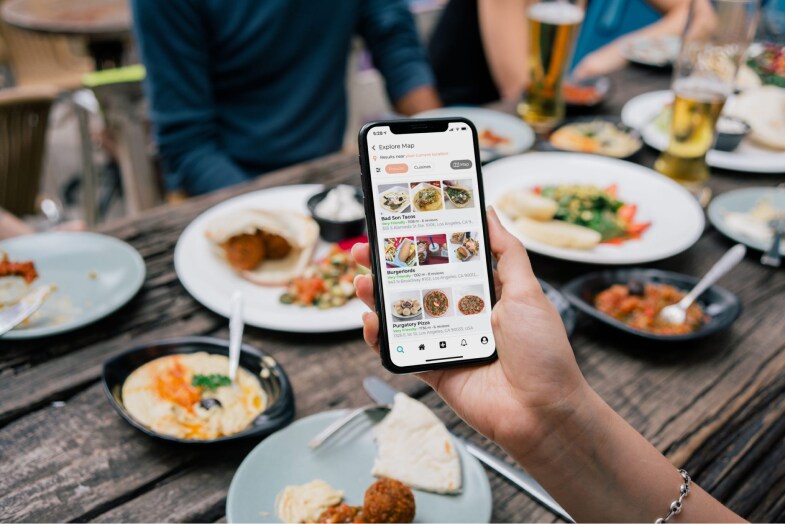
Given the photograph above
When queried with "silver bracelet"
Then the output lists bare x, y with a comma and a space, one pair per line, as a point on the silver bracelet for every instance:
676, 505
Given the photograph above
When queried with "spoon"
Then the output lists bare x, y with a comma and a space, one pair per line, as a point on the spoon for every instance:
675, 314
772, 256
236, 326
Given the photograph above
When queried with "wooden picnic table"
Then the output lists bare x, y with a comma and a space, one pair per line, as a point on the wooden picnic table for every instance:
714, 407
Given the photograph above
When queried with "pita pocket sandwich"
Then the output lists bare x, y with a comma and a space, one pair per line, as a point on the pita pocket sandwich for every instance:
415, 448
764, 110
268, 248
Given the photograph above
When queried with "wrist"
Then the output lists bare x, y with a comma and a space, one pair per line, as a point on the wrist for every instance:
547, 432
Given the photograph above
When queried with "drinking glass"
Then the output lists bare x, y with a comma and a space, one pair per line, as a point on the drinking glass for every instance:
714, 43
553, 27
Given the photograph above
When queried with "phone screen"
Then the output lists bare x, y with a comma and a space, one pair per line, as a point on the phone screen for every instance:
434, 266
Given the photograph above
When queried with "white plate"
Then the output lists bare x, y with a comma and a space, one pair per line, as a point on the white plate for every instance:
520, 134
676, 218
742, 201
748, 157
211, 282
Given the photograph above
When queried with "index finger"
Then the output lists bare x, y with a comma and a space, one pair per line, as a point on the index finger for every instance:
362, 254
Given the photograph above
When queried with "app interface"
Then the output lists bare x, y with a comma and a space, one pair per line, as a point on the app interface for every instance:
431, 245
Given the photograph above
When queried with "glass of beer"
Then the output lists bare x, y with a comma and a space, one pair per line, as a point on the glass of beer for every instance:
714, 43
553, 27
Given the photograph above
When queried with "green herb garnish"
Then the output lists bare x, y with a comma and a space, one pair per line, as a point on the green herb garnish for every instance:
213, 381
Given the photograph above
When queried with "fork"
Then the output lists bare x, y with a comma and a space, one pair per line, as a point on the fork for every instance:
772, 257
328, 432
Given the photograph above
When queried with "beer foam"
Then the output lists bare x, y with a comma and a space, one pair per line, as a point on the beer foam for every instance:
702, 89
556, 13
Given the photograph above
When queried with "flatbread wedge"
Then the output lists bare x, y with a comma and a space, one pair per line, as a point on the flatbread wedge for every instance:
415, 448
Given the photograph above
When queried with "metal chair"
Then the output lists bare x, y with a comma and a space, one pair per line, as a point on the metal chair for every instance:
24, 119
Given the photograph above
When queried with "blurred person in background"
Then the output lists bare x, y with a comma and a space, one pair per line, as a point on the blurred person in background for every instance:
244, 87
480, 48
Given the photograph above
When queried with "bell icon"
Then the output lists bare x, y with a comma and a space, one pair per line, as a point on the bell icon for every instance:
463, 342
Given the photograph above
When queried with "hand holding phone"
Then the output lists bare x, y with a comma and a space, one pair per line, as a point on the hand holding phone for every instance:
536, 369
429, 251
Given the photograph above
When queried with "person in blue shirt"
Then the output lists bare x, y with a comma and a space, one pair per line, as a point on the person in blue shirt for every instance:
242, 87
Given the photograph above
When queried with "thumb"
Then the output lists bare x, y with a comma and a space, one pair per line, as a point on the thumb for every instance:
512, 262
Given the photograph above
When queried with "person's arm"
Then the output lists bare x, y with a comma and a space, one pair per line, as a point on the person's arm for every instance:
388, 29
173, 41
609, 57
504, 31
535, 403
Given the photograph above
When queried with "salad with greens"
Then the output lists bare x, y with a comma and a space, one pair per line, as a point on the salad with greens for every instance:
596, 208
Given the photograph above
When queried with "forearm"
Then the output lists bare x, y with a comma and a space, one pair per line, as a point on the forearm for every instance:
504, 31
600, 469
418, 100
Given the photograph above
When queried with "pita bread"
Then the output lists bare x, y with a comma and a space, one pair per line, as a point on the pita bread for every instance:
415, 448
764, 110
300, 231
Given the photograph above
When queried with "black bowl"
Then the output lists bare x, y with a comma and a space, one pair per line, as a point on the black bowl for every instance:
333, 231
721, 306
280, 409
728, 141
601, 84
610, 119
566, 311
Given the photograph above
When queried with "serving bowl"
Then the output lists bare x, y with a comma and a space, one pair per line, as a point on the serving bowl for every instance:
334, 230
577, 92
720, 306
275, 383
730, 132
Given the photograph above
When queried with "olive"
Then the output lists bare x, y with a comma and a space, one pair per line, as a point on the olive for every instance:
209, 403
636, 288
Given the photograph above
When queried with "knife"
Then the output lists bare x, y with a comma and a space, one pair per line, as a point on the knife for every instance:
21, 311
383, 393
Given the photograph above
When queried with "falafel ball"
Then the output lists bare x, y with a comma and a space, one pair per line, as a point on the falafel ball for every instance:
388, 500
275, 246
341, 513
244, 252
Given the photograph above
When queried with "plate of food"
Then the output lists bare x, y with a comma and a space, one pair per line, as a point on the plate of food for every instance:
394, 199
744, 215
401, 466
652, 51
464, 246
91, 276
267, 246
762, 109
427, 196
400, 252
179, 390
597, 135
499, 134
630, 299
767, 61
458, 194
587, 208
407, 308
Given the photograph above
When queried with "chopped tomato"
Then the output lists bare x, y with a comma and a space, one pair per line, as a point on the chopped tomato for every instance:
308, 288
613, 190
627, 212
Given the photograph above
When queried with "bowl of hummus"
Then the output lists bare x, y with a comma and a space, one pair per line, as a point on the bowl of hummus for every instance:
179, 390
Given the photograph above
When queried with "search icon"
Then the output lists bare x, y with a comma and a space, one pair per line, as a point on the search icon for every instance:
399, 349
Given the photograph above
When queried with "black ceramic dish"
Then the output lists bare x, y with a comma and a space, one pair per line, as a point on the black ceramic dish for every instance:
280, 408
333, 231
585, 119
720, 305
566, 311
601, 84
727, 140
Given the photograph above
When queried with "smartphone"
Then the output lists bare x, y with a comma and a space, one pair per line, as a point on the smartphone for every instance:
429, 243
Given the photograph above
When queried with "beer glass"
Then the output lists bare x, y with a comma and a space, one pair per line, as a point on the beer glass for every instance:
714, 43
553, 27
